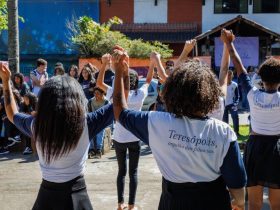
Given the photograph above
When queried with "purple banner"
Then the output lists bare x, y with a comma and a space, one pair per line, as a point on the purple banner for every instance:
247, 48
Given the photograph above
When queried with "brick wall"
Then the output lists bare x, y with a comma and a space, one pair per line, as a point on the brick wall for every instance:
124, 9
185, 11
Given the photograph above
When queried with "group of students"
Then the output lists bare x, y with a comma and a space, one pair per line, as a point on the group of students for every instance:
197, 154
26, 102
27, 96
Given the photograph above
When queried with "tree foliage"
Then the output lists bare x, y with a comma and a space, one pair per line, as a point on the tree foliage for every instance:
93, 39
3, 15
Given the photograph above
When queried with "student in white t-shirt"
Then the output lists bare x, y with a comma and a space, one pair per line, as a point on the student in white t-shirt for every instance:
61, 130
39, 76
223, 75
198, 157
122, 138
262, 153
231, 103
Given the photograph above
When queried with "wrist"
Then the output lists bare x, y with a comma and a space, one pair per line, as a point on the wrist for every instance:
5, 83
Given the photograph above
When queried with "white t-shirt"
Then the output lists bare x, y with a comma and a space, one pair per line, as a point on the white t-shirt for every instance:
188, 150
135, 102
72, 164
219, 112
265, 111
231, 93
36, 89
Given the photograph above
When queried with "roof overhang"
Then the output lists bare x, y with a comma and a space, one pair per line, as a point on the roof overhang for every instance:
241, 27
163, 32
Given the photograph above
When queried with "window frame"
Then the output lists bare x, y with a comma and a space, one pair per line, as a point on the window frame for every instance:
254, 12
247, 9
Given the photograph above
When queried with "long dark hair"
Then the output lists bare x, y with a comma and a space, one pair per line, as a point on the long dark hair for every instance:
61, 115
76, 69
90, 75
33, 101
21, 78
133, 80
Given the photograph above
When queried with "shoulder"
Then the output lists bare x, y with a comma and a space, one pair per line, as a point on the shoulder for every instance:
222, 129
234, 84
33, 72
253, 92
160, 116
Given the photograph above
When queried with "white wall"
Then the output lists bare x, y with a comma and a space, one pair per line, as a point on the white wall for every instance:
145, 11
211, 20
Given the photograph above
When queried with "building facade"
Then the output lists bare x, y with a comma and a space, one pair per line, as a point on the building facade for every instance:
264, 12
44, 32
169, 21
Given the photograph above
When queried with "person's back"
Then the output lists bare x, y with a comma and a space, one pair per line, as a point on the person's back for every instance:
264, 111
197, 156
61, 129
197, 147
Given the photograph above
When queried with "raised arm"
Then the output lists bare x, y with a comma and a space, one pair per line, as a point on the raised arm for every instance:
119, 102
10, 104
233, 53
100, 79
223, 75
241, 71
151, 71
189, 45
155, 58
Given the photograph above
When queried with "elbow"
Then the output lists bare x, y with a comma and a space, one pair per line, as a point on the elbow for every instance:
98, 83
116, 114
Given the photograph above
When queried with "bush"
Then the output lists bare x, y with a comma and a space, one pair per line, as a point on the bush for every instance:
94, 40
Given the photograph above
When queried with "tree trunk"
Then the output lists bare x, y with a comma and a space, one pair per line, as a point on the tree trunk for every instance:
13, 35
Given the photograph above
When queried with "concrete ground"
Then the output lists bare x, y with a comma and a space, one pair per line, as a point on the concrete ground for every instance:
20, 178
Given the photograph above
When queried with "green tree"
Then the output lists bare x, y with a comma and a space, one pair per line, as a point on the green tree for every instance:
3, 15
93, 39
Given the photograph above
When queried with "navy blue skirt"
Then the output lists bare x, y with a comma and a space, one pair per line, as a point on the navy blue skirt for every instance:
71, 195
262, 161
194, 196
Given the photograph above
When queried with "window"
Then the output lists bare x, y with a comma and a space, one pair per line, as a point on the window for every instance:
231, 6
266, 6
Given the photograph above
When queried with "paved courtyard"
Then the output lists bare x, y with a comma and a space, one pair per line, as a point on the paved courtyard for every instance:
20, 178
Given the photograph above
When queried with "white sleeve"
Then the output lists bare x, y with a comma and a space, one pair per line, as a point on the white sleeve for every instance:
109, 94
251, 93
144, 89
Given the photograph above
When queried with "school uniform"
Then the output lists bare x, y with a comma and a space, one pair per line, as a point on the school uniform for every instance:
38, 75
262, 153
63, 186
198, 158
125, 140
218, 112
231, 103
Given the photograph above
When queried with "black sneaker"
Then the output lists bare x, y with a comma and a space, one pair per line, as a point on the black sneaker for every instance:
98, 154
10, 143
27, 151
4, 151
91, 154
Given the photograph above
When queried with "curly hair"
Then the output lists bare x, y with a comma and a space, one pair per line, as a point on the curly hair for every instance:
191, 90
270, 71
133, 80
20, 76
